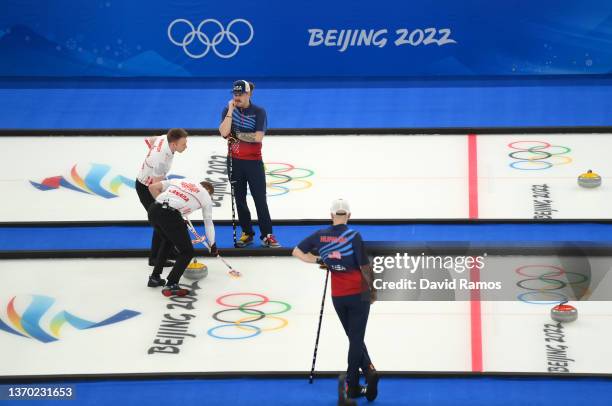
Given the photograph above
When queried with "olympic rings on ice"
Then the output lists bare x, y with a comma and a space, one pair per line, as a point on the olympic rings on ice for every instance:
537, 155
254, 313
281, 178
543, 286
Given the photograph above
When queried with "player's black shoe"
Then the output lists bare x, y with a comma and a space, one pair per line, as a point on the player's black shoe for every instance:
343, 399
155, 281
372, 377
174, 290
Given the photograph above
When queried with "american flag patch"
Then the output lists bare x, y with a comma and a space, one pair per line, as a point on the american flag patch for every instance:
335, 255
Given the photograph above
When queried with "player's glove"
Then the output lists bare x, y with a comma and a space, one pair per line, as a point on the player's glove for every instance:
321, 263
213, 249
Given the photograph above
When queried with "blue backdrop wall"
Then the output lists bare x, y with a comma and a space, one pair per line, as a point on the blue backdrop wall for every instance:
317, 38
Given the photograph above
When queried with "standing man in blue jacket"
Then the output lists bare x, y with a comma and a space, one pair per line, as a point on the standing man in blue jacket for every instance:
342, 251
244, 124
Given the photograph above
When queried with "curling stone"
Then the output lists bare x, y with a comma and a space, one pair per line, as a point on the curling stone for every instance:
564, 313
589, 179
196, 271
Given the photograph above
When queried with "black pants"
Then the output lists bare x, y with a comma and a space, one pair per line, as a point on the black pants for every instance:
146, 199
250, 172
173, 232
353, 311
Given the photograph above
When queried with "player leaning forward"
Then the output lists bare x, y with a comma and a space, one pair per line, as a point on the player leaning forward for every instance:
173, 200
155, 168
342, 251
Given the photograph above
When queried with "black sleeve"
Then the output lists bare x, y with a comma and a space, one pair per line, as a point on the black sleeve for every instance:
224, 114
310, 243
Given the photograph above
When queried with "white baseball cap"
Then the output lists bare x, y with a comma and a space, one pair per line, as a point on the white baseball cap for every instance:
340, 206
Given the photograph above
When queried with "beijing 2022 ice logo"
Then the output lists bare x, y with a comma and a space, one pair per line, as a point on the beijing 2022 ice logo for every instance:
210, 34
29, 323
93, 179
101, 180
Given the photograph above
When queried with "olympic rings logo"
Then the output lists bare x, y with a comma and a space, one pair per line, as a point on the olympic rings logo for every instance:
205, 40
544, 287
281, 178
253, 309
537, 155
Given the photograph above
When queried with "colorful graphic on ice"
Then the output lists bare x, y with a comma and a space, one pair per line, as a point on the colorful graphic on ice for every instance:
99, 180
93, 182
28, 323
